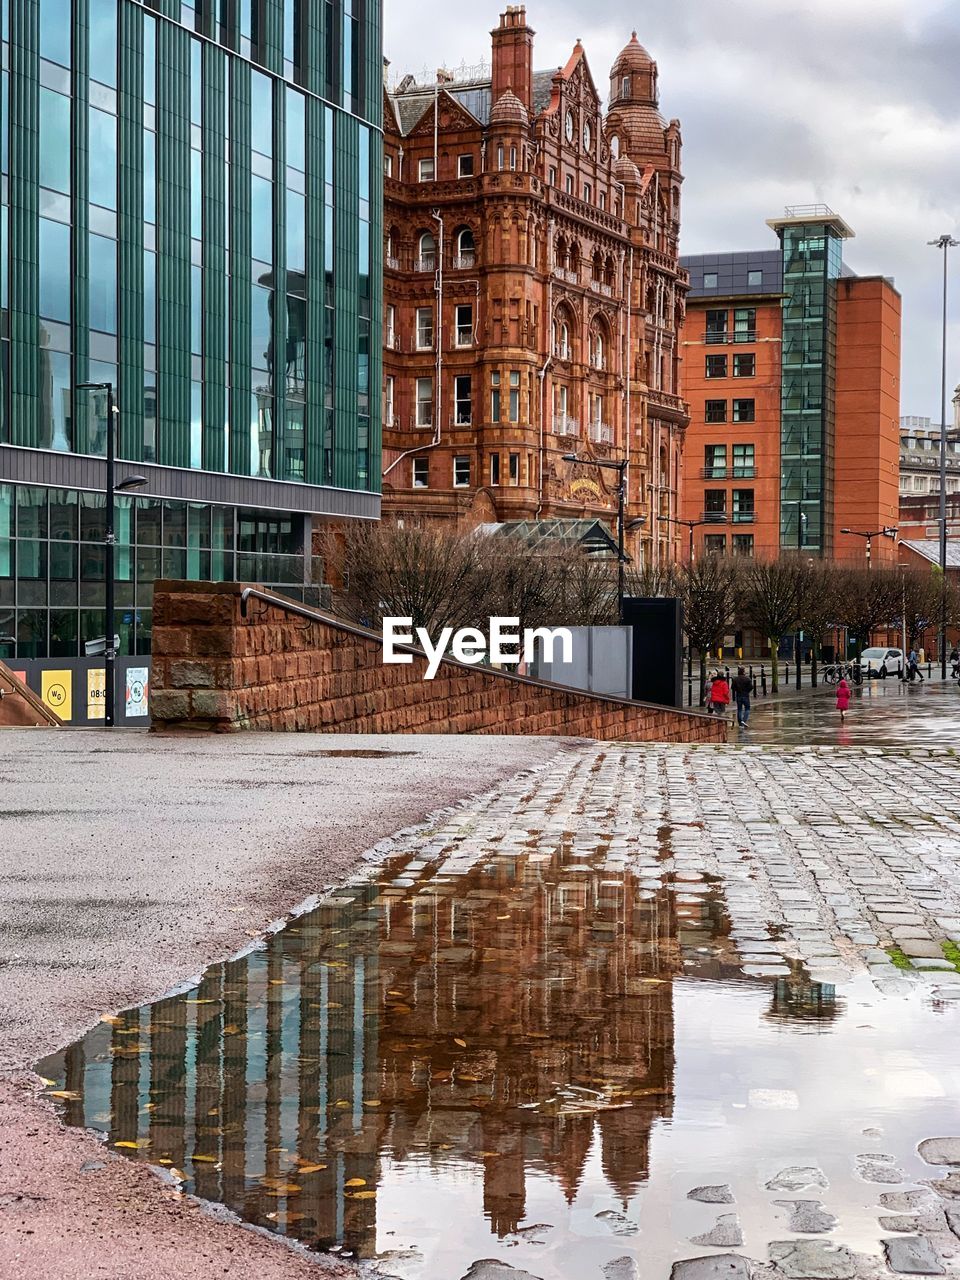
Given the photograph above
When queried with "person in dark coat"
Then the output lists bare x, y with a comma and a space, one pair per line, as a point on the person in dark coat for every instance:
742, 687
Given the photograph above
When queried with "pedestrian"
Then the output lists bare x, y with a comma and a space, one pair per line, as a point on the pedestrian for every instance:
913, 666
955, 662
708, 695
843, 700
742, 688
720, 693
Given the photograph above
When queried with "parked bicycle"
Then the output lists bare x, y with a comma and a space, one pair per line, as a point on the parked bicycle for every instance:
837, 671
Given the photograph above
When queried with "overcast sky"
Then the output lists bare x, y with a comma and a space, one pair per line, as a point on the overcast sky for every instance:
850, 103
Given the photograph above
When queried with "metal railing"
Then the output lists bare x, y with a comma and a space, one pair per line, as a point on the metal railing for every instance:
713, 517
425, 264
601, 432
464, 261
562, 425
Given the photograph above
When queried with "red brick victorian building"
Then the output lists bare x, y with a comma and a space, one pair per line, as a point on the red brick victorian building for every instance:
533, 294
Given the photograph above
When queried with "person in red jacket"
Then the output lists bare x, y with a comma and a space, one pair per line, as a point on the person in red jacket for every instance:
720, 693
843, 699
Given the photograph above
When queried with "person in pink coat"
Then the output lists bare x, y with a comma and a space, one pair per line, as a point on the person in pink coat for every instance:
843, 699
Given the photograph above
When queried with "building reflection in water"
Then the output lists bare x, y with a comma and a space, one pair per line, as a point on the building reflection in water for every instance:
508, 1017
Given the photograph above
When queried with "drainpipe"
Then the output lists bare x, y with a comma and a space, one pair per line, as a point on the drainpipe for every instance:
438, 285
548, 325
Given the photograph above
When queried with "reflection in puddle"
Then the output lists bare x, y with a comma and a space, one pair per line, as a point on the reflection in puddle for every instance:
478, 1059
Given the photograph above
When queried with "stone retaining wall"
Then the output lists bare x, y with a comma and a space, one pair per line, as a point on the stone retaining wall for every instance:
215, 670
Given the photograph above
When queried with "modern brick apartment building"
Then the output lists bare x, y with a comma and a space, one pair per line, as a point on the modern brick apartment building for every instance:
792, 373
533, 294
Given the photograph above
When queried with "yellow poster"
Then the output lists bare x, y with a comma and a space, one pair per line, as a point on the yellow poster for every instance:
56, 689
96, 693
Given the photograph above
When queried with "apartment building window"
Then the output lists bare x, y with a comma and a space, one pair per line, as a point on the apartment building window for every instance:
426, 170
714, 505
464, 324
552, 176
710, 279
569, 184
744, 411
743, 545
461, 471
388, 166
513, 157
514, 464
754, 279
424, 402
743, 509
494, 468
495, 396
465, 166
745, 324
743, 461
745, 365
514, 395
390, 325
715, 411
587, 192
716, 366
463, 399
424, 328
421, 473
388, 390
428, 252
716, 326
715, 461
603, 199
715, 544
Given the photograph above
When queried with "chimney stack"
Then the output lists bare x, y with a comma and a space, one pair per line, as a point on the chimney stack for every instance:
513, 56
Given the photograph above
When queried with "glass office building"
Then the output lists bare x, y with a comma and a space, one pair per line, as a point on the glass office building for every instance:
190, 191
811, 239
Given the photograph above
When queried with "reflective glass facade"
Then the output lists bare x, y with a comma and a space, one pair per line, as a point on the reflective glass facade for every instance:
191, 211
812, 262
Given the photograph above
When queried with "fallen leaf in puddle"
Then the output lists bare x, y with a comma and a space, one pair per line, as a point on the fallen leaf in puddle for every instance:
205, 1159
372, 1102
276, 982
113, 1020
287, 1189
46, 1082
124, 1143
361, 1195
231, 1029
355, 1182
204, 1000
178, 1173
461, 1043
70, 1094
310, 1168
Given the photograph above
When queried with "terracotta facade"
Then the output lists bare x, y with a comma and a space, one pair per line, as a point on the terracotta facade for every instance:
533, 294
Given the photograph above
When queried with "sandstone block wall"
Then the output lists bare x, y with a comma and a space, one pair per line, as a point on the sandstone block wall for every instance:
215, 670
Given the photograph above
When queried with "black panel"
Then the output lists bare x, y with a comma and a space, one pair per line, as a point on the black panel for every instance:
657, 625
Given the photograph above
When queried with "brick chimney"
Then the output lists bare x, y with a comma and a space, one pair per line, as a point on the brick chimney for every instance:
513, 56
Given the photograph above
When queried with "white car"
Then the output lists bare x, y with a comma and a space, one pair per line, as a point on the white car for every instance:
882, 662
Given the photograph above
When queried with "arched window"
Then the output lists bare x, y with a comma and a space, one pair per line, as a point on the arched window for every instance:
561, 338
427, 245
598, 349
391, 252
465, 248
574, 258
615, 147
596, 267
624, 86
609, 272
560, 252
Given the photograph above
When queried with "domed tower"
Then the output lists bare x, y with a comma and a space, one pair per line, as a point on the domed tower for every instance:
635, 126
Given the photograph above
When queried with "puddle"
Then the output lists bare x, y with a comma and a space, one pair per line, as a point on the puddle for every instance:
531, 1055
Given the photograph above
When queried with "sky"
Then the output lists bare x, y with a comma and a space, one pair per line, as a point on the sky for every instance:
850, 103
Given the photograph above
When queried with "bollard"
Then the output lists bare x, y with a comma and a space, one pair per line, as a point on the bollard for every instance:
753, 681
763, 681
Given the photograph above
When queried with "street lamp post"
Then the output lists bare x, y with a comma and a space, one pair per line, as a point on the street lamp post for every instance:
690, 525
889, 531
620, 466
946, 243
109, 541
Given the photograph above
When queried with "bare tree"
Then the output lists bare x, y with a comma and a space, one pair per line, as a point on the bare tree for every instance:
919, 604
867, 599
513, 582
707, 591
652, 580
770, 600
817, 605
589, 593
427, 574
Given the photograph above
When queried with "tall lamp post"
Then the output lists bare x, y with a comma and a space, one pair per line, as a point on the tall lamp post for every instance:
688, 524
620, 466
110, 541
946, 243
889, 531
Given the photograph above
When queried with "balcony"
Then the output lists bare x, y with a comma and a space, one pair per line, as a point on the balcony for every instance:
392, 263
598, 363
464, 261
563, 425
562, 351
713, 473
601, 432
425, 264
714, 338
599, 287
744, 517
562, 273
713, 517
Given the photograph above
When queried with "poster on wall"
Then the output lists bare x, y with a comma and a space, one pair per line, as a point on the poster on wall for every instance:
56, 690
138, 691
96, 693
